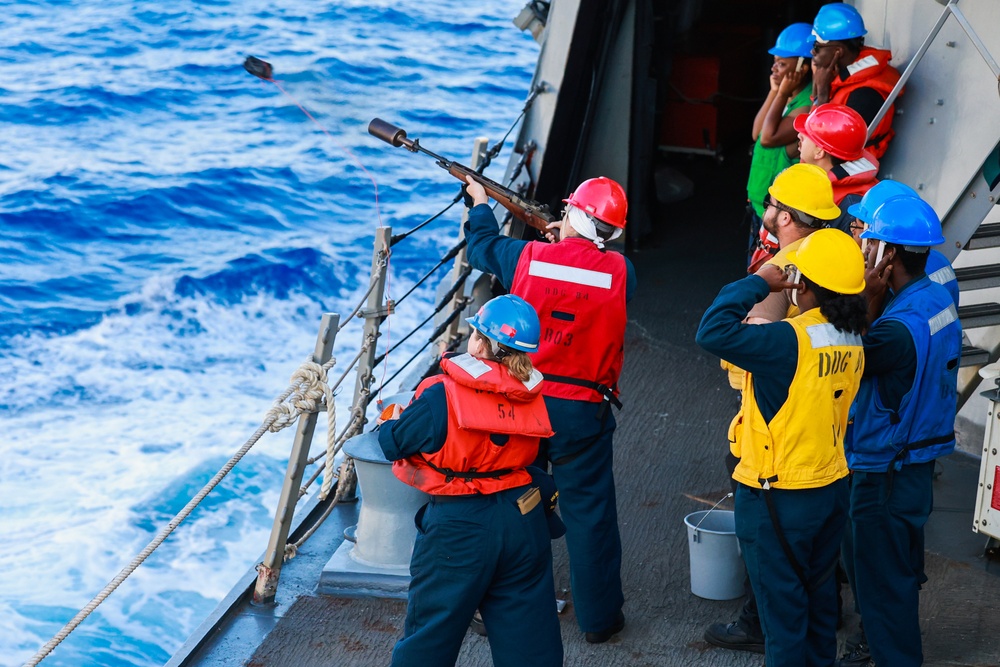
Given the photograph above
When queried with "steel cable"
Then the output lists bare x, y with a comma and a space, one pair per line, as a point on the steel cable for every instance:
448, 256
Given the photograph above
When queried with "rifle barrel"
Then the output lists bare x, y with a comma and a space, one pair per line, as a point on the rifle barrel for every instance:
528, 211
396, 136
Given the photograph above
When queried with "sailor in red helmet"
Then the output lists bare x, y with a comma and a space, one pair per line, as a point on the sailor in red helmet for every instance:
483, 541
579, 289
832, 136
845, 71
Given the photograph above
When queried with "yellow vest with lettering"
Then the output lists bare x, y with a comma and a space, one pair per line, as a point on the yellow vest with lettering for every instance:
803, 445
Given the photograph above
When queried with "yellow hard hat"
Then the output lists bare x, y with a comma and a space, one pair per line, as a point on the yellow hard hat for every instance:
831, 259
806, 188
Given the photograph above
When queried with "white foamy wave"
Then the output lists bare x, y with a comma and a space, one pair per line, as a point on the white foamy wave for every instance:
111, 429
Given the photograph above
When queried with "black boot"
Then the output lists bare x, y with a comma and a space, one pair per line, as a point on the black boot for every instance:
857, 657
733, 636
605, 635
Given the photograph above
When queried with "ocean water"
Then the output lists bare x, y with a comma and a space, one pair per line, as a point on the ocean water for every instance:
171, 230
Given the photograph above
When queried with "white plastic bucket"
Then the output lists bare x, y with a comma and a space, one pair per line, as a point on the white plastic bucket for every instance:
717, 569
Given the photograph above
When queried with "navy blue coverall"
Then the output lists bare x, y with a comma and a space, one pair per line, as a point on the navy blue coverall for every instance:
888, 512
580, 451
475, 551
813, 520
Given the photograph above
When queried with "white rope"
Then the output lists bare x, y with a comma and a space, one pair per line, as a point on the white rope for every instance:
331, 442
302, 393
308, 385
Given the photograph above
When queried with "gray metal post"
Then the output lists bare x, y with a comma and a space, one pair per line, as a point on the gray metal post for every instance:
374, 313
479, 148
269, 571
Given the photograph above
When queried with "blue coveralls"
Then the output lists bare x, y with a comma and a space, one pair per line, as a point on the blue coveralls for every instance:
580, 451
475, 551
813, 520
889, 509
901, 363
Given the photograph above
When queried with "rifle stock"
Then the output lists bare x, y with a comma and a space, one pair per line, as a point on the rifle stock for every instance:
528, 211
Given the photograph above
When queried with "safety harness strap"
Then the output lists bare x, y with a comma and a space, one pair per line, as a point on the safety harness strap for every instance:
783, 541
602, 389
906, 449
469, 475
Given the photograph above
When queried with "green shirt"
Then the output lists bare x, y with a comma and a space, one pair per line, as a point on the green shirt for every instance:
769, 162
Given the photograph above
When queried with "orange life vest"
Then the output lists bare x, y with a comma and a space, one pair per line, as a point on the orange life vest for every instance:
870, 70
578, 291
494, 424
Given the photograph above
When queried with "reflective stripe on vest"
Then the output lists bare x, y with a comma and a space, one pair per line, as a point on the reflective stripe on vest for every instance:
569, 274
578, 292
943, 276
870, 70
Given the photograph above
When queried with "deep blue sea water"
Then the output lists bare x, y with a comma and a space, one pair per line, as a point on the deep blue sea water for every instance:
171, 230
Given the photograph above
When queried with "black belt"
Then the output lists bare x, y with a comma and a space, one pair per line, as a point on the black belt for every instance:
602, 389
469, 475
906, 449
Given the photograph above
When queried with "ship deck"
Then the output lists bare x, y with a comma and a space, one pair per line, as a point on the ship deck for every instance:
668, 463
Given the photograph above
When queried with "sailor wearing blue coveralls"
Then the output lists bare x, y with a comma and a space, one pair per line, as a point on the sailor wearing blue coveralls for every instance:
579, 290
903, 420
939, 270
792, 496
483, 540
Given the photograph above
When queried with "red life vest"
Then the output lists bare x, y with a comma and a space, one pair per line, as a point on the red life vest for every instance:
870, 70
766, 248
855, 177
484, 400
578, 291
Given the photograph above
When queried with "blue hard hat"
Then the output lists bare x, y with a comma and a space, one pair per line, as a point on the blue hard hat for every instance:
905, 221
877, 196
837, 22
509, 320
793, 42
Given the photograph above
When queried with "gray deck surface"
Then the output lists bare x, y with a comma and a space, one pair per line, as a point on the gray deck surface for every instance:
669, 454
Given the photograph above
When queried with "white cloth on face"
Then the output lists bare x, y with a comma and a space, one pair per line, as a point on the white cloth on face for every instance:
584, 226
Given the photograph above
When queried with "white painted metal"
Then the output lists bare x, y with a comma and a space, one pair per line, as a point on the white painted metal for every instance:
385, 532
946, 121
986, 518
549, 72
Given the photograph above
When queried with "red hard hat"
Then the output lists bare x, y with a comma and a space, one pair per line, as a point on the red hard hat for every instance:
837, 129
602, 198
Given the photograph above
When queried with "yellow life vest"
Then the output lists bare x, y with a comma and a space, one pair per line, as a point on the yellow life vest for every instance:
803, 445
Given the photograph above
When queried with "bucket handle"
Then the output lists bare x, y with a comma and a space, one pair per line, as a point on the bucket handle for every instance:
695, 536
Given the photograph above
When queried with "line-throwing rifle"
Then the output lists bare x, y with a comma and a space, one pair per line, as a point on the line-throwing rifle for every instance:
528, 211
